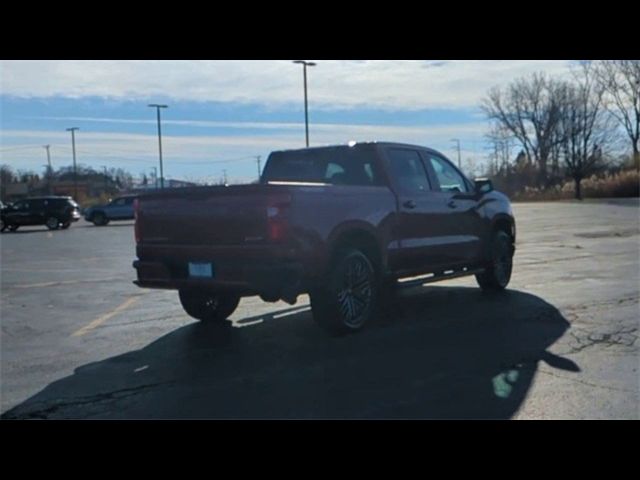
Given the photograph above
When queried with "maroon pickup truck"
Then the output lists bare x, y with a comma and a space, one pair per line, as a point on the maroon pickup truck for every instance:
346, 224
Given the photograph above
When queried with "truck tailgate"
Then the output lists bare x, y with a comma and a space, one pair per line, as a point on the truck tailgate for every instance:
231, 215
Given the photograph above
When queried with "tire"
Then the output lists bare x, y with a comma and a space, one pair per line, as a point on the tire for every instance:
99, 219
3, 225
208, 306
13, 227
66, 225
498, 272
348, 298
52, 223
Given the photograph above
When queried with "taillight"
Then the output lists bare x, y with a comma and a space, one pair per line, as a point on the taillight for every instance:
277, 222
136, 216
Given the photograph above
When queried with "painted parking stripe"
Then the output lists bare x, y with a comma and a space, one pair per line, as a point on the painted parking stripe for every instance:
100, 320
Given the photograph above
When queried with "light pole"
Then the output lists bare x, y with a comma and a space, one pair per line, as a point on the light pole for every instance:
458, 142
49, 169
306, 107
158, 107
75, 170
258, 160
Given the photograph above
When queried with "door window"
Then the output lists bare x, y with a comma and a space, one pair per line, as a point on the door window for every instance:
406, 168
448, 177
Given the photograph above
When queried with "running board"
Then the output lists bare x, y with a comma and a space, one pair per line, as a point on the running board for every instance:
436, 277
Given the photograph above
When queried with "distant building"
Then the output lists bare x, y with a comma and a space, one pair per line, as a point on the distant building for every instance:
14, 191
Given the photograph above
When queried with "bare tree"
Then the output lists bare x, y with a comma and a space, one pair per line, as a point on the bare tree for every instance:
528, 108
620, 79
584, 128
501, 144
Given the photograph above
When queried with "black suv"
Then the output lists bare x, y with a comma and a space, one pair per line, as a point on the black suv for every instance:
54, 212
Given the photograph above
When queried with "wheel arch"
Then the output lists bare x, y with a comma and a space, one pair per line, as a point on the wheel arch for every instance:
506, 224
361, 236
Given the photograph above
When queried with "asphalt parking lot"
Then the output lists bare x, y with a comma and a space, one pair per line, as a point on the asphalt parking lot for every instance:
79, 340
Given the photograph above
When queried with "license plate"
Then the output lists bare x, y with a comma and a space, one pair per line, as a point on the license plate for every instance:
202, 270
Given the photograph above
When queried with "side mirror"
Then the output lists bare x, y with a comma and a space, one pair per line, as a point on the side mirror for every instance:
483, 185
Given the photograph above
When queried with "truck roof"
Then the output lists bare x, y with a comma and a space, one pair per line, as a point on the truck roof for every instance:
358, 144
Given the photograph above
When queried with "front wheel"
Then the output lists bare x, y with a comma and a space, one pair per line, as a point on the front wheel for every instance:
498, 272
52, 223
66, 225
208, 306
348, 298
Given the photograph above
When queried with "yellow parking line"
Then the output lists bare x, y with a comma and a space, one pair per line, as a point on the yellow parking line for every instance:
100, 320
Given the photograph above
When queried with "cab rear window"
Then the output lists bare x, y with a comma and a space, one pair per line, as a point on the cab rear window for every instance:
337, 166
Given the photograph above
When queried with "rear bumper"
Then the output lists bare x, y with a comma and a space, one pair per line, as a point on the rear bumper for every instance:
272, 279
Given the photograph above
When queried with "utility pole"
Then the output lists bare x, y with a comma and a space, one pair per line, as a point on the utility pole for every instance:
458, 143
258, 160
158, 107
105, 178
306, 109
155, 176
75, 170
49, 168
224, 173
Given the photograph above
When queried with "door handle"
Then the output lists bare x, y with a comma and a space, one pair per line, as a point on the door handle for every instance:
451, 204
409, 204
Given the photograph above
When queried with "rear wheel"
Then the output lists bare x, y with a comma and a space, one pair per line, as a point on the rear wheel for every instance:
498, 272
208, 306
52, 223
13, 228
66, 225
347, 300
99, 219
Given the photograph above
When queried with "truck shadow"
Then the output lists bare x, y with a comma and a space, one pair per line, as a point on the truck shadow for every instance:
441, 352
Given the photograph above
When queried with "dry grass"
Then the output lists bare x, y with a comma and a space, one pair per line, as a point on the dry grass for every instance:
623, 184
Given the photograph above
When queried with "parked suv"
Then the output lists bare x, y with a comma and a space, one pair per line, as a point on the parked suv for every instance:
120, 208
54, 212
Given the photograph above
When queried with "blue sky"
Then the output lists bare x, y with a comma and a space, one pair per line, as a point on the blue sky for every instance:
224, 113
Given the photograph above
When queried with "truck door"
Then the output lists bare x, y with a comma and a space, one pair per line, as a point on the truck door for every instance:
423, 227
458, 199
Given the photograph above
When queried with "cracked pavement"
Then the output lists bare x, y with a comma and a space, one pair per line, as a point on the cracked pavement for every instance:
562, 343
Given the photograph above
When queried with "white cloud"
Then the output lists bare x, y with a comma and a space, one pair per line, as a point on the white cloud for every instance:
390, 85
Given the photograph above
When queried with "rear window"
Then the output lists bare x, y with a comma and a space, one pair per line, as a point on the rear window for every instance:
337, 166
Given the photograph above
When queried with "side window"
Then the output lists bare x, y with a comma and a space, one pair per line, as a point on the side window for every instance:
129, 201
335, 174
406, 167
21, 205
448, 177
119, 202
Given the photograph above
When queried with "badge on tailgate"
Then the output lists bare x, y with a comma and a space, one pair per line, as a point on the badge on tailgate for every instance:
201, 270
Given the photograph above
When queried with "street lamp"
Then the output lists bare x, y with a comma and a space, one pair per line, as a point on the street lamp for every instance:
75, 171
306, 108
158, 107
